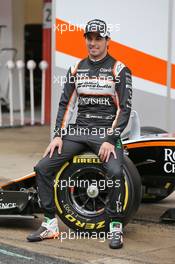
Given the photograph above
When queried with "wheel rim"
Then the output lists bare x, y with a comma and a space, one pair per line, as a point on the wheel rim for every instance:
87, 196
78, 198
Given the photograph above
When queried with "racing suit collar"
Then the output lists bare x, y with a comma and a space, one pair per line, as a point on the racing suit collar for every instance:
96, 62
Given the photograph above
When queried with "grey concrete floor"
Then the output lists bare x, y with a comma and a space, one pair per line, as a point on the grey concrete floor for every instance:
146, 240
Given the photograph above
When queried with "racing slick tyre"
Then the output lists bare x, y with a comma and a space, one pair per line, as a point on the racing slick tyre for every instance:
81, 206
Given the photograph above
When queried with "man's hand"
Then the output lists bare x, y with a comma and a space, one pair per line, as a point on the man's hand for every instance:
56, 142
105, 151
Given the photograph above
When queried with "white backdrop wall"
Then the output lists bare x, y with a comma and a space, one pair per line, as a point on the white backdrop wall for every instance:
143, 26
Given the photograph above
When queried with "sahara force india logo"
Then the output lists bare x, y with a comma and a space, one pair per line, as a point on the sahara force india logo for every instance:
169, 166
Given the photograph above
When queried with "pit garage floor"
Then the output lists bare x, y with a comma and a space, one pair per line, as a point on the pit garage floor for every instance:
145, 239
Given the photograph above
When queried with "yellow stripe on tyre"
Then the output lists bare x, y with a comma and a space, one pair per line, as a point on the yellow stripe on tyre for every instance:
126, 195
56, 184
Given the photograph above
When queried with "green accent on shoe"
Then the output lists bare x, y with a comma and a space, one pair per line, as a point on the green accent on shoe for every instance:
112, 225
118, 144
47, 220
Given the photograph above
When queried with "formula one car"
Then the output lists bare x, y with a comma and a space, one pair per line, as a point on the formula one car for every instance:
149, 167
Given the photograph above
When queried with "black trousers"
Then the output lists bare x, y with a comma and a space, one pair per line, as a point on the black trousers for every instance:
72, 145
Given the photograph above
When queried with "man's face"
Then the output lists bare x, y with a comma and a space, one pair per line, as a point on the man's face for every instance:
96, 45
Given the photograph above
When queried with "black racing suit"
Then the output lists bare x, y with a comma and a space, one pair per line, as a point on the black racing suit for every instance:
103, 91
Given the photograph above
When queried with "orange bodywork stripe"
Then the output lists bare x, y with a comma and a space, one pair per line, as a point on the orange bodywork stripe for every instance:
173, 76
70, 42
143, 65
31, 175
150, 144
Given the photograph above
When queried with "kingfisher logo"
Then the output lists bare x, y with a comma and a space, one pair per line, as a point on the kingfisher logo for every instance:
169, 166
94, 101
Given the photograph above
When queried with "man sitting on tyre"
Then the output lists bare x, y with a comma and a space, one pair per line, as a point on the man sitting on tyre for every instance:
102, 87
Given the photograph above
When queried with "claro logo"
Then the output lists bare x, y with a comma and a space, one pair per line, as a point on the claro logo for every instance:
169, 166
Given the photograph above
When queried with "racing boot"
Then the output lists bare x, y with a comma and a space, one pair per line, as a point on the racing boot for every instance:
48, 229
116, 235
